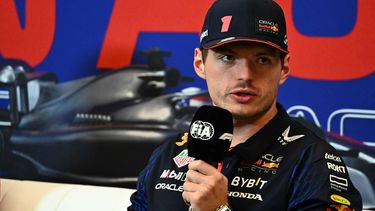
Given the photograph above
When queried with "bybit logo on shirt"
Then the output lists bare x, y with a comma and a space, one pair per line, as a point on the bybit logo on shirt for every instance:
248, 183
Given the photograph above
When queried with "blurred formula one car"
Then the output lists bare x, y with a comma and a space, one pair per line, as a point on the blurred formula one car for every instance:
96, 130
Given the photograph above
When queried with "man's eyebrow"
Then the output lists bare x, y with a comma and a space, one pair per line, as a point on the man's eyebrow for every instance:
223, 49
267, 52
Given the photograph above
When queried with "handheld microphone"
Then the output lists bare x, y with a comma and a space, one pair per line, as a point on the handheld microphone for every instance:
210, 134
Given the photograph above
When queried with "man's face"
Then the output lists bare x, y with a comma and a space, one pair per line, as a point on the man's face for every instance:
243, 77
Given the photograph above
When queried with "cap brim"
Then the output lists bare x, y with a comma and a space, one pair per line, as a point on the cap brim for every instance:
217, 43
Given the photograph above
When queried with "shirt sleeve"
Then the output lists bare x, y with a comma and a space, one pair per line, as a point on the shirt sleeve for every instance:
320, 181
139, 200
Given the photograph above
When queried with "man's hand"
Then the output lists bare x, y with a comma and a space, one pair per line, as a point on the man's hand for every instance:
205, 187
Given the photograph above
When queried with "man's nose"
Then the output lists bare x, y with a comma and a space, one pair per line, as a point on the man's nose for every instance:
244, 70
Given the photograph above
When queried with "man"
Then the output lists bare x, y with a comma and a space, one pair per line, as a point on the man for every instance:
274, 163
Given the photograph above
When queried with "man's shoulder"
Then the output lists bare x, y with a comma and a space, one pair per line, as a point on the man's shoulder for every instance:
173, 147
306, 137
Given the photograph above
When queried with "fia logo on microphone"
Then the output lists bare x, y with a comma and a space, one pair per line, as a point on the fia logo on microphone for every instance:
201, 130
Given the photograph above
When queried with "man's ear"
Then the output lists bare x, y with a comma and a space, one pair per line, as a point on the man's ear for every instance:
199, 63
285, 69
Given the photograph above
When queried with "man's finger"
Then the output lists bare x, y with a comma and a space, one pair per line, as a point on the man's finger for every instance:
190, 186
202, 167
195, 177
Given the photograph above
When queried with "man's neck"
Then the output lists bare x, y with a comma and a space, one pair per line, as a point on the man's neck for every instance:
244, 129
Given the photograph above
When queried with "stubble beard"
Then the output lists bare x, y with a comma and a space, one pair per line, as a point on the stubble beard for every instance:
247, 112
251, 114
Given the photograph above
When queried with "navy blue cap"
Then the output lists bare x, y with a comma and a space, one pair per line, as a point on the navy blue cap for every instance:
244, 20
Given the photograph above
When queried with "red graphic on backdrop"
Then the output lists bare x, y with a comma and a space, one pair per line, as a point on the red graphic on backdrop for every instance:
334, 58
323, 58
33, 42
131, 17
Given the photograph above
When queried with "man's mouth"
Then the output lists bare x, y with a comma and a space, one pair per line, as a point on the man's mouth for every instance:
242, 96
243, 92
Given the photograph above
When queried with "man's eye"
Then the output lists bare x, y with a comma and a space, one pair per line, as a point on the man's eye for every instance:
264, 60
227, 58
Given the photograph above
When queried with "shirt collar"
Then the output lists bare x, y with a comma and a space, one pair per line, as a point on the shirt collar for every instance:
257, 144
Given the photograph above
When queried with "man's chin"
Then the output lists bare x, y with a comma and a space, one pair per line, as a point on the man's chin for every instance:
241, 111
242, 114
248, 113
243, 117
